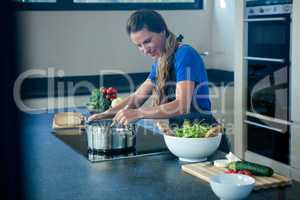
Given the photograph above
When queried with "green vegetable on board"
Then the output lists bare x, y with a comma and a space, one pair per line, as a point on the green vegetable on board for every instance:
254, 168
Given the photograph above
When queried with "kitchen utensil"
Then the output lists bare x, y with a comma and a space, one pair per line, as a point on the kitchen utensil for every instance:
232, 186
192, 149
114, 122
68, 123
68, 119
103, 136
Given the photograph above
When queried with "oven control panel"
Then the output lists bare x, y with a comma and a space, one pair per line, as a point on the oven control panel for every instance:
269, 10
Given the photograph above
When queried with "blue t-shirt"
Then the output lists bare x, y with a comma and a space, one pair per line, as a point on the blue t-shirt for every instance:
190, 66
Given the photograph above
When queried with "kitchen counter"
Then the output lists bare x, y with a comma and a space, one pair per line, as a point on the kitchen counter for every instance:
53, 170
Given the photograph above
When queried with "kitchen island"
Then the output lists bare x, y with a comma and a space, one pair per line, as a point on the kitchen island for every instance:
53, 170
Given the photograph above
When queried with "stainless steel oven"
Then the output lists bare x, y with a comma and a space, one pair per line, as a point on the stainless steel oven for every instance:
268, 61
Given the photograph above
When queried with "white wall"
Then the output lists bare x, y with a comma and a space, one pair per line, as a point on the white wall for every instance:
222, 49
85, 42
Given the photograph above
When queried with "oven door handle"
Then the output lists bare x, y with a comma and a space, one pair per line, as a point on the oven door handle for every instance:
266, 19
264, 126
278, 60
270, 119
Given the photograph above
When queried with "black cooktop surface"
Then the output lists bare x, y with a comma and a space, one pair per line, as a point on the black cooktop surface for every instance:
148, 142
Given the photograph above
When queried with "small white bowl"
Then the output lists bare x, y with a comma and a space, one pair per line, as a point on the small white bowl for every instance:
192, 149
232, 186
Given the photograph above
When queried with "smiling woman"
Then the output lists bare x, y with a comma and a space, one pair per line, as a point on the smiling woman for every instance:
177, 78
107, 4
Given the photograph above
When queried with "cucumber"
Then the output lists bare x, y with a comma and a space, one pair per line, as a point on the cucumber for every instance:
254, 168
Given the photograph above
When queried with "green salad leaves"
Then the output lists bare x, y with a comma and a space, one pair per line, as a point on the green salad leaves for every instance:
193, 130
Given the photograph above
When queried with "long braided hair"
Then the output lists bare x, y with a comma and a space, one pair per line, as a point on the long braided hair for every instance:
154, 22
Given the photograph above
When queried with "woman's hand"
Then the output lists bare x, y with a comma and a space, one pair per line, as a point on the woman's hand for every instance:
98, 116
125, 116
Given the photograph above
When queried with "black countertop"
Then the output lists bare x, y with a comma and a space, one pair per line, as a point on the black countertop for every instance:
53, 170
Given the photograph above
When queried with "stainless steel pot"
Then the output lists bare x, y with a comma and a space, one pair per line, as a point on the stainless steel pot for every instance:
104, 137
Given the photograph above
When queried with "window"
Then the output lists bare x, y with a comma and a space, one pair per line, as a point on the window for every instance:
107, 4
36, 1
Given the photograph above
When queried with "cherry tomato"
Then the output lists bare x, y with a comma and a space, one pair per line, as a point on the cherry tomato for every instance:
103, 90
109, 90
113, 96
245, 172
230, 171
112, 90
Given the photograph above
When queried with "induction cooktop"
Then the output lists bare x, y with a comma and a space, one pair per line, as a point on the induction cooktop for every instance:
148, 142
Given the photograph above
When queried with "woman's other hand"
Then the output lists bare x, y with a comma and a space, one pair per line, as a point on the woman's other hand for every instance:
127, 115
103, 115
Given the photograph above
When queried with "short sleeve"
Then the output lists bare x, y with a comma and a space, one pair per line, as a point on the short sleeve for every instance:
152, 74
189, 65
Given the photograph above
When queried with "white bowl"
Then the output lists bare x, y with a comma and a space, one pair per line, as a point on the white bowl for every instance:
192, 149
232, 186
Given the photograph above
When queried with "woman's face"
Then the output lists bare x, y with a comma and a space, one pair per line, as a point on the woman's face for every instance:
150, 43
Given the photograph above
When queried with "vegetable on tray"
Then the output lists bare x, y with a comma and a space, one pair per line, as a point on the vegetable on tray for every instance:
244, 172
253, 168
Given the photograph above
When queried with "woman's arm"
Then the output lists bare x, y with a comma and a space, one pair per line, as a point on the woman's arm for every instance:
133, 101
181, 105
141, 94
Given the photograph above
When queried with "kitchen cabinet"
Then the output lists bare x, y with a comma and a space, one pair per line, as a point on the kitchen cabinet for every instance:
295, 88
293, 168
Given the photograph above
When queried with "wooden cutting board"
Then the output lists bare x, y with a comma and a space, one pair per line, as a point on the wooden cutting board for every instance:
68, 123
262, 182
